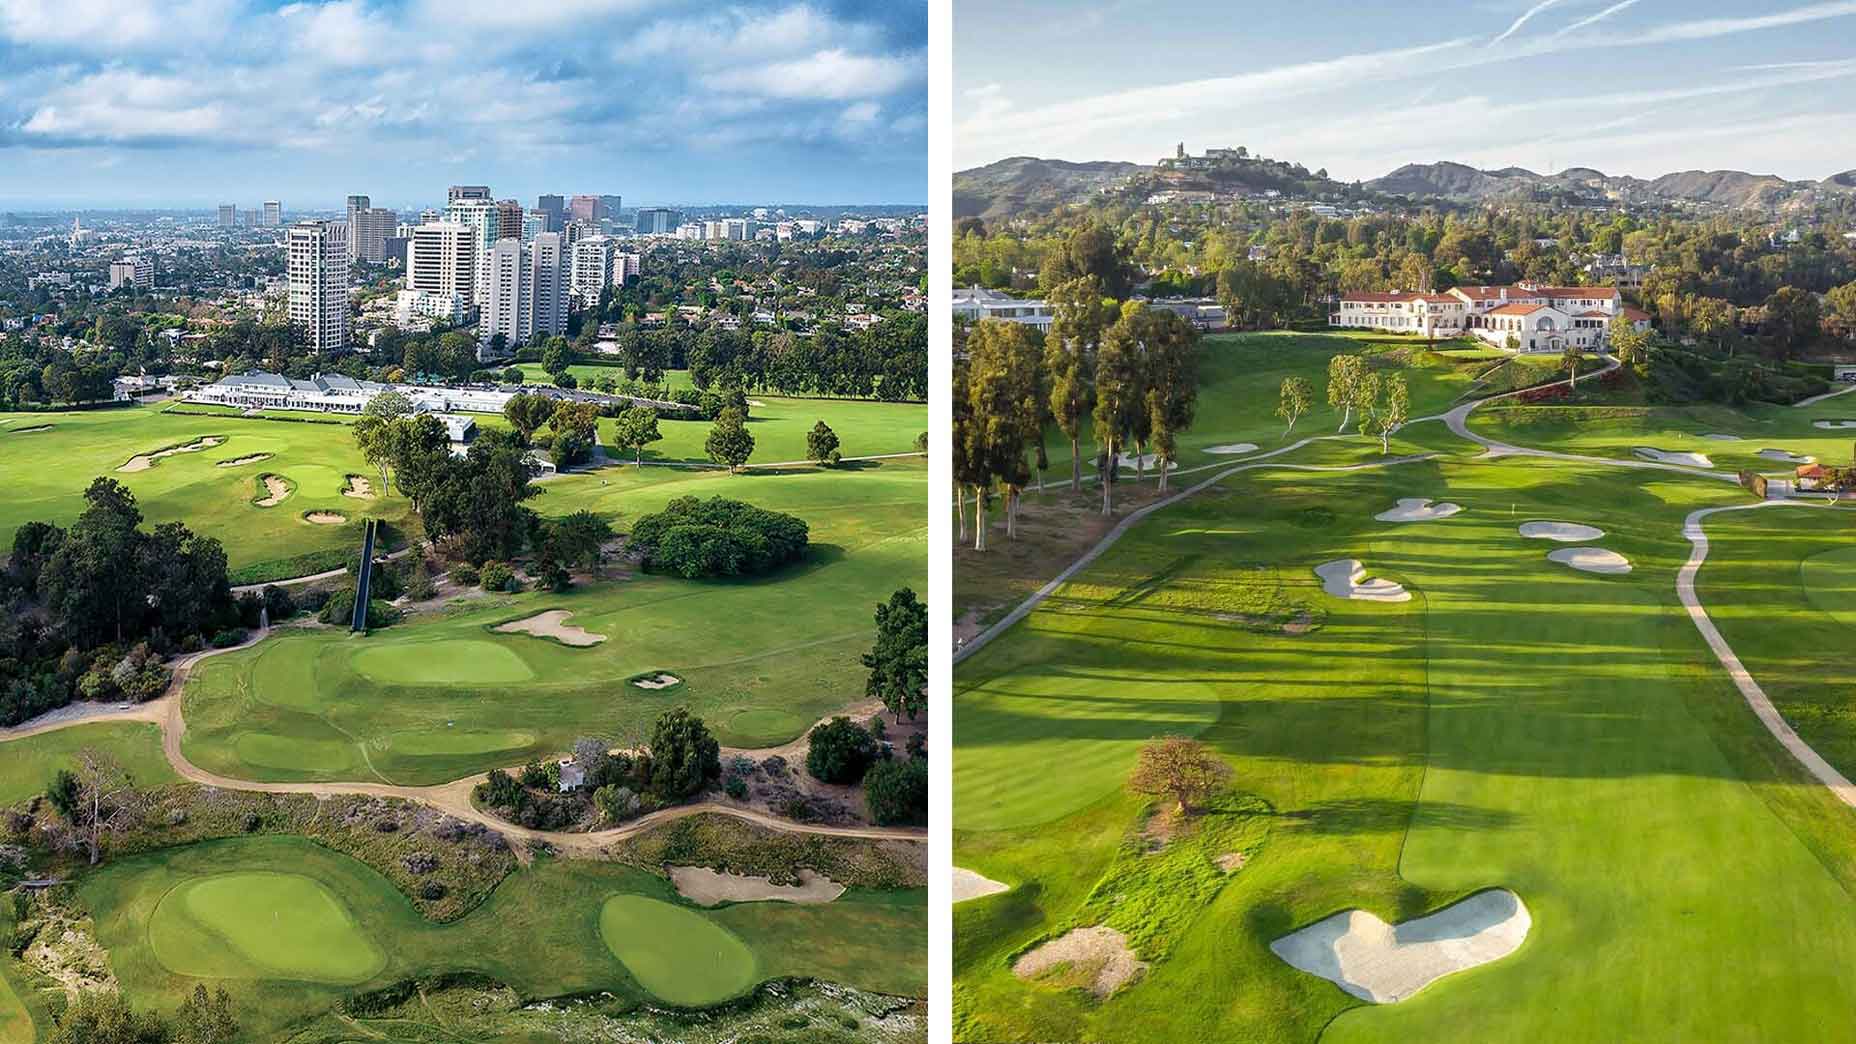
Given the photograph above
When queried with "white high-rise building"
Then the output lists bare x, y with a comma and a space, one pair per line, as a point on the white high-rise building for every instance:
624, 266
441, 258
592, 268
273, 213
317, 268
525, 290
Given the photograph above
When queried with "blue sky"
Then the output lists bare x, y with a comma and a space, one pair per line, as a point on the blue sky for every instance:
195, 102
1640, 87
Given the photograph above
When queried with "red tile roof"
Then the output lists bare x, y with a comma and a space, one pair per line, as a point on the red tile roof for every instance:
1636, 315
1517, 308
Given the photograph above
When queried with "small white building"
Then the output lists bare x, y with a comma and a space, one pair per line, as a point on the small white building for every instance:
977, 302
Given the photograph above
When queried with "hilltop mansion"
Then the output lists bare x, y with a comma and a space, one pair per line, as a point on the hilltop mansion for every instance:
1539, 318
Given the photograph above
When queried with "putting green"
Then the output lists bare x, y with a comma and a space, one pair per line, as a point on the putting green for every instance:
765, 726
457, 741
1830, 583
457, 661
679, 955
261, 925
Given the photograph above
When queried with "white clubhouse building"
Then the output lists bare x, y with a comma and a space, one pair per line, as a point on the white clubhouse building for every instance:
334, 393
1539, 318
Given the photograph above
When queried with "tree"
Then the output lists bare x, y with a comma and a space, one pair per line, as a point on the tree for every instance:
1078, 317
104, 1017
91, 582
1004, 361
204, 1019
1386, 411
419, 449
729, 442
1172, 383
1180, 768
1626, 341
822, 444
897, 791
556, 356
1841, 304
1346, 375
1294, 401
839, 751
684, 756
104, 798
1118, 393
1570, 357
636, 429
1792, 321
898, 662
577, 540
527, 413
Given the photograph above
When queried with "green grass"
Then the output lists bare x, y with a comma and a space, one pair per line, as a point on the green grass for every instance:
29, 764
583, 374
676, 953
1829, 579
260, 543
261, 925
1515, 725
540, 932
780, 425
15, 1020
760, 659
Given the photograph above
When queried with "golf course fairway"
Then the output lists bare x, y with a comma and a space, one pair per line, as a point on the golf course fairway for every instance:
679, 956
261, 925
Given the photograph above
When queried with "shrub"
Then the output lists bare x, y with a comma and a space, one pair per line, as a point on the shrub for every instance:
250, 606
313, 600
278, 603
497, 576
432, 890
718, 537
513, 375
419, 584
228, 638
839, 751
737, 788
464, 574
897, 791
617, 804
498, 790
534, 775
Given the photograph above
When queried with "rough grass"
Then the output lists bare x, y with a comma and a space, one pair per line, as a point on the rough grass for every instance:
1566, 736
28, 765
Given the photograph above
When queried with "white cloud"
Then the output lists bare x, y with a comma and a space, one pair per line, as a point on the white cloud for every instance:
1620, 6
832, 74
101, 26
1706, 28
1526, 17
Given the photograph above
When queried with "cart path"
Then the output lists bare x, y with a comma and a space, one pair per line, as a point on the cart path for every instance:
1815, 399
451, 798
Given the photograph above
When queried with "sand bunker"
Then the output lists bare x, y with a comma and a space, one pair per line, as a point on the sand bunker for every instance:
1231, 448
1830, 425
1691, 460
326, 518
1787, 458
657, 681
1145, 462
31, 429
1719, 437
359, 488
1384, 963
236, 461
1346, 578
1564, 532
1418, 509
552, 624
706, 887
275, 490
1096, 959
1591, 560
144, 461
969, 885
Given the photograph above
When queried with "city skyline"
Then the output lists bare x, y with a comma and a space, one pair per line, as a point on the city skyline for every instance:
189, 105
1636, 87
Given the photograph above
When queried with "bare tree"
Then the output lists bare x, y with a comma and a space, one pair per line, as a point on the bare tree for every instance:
98, 798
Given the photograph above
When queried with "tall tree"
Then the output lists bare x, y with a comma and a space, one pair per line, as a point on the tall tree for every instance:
729, 442
1294, 400
1570, 357
898, 662
1003, 382
1346, 374
1078, 317
102, 799
1172, 383
636, 429
1118, 395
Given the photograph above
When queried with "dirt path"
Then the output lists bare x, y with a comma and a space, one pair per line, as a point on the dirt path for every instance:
451, 798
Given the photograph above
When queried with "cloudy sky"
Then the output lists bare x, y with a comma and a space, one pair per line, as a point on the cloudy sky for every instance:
195, 102
1641, 87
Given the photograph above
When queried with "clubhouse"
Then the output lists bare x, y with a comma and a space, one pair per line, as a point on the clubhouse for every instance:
335, 393
1539, 318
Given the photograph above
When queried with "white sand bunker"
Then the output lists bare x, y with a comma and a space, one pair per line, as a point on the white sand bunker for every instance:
248, 459
32, 428
1719, 437
275, 490
552, 624
1564, 532
359, 488
1691, 460
1787, 458
1418, 509
326, 518
1346, 578
1144, 462
1096, 959
1230, 448
1384, 963
706, 887
657, 681
144, 461
1591, 560
969, 885
1830, 425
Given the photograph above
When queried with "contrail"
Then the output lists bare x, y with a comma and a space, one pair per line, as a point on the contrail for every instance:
1523, 20
1599, 17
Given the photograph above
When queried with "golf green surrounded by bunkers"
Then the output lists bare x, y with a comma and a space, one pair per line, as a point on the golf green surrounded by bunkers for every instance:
290, 928
1516, 724
434, 698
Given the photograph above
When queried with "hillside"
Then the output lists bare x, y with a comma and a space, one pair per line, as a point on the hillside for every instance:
1026, 184
1725, 188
